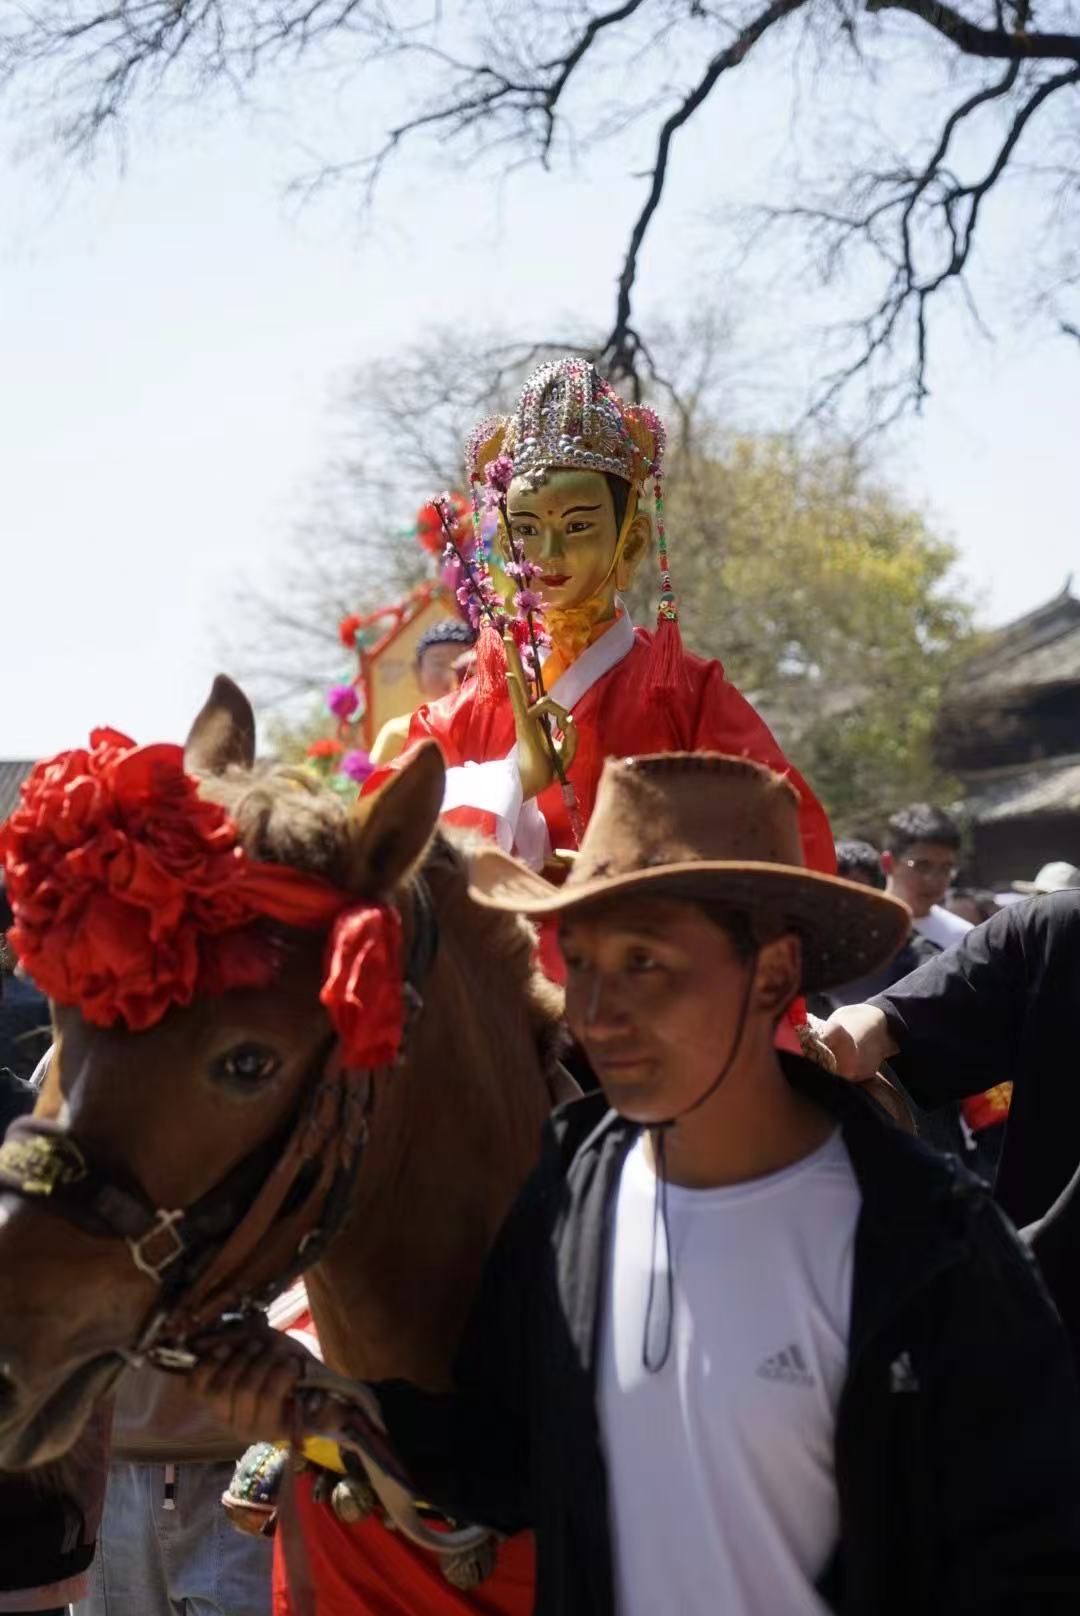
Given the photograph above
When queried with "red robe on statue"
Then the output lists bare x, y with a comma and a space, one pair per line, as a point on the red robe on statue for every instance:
607, 691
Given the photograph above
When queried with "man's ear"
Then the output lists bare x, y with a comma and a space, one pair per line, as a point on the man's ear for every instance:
779, 973
637, 542
888, 863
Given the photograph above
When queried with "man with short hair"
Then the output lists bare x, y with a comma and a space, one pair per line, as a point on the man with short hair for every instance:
921, 859
439, 651
858, 861
742, 1345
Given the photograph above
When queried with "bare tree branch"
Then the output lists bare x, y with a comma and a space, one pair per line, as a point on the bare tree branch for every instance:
519, 85
996, 43
624, 346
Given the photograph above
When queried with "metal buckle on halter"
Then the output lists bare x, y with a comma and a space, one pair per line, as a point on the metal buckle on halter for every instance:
164, 1224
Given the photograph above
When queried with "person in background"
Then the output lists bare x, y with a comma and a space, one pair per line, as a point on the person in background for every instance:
1001, 1006
165, 1547
1059, 876
921, 862
860, 861
972, 904
438, 654
25, 1032
47, 1534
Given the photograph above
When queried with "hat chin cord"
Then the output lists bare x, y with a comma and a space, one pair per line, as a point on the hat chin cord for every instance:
656, 1336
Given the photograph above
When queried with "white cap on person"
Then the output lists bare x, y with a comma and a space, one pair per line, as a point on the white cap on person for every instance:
1059, 876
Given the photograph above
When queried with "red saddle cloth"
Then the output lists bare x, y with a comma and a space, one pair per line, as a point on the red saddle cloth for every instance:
365, 1570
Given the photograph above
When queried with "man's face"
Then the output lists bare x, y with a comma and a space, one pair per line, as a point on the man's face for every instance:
654, 994
567, 526
921, 875
435, 671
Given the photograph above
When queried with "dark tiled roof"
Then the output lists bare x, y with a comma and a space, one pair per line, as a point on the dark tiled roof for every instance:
13, 771
1036, 652
1052, 787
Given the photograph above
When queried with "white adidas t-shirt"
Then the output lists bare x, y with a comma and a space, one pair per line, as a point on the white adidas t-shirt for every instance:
720, 1465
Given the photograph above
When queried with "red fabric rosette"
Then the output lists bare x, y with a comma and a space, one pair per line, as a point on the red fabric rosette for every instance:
131, 894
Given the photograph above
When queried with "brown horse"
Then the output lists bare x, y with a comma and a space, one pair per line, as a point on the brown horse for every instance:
452, 1132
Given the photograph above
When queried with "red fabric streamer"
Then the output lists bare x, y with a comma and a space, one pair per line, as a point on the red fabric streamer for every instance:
131, 894
362, 986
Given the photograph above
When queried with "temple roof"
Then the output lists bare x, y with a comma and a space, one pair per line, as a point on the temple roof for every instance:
1052, 787
1036, 652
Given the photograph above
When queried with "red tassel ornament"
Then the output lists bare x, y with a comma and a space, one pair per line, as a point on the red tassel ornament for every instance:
666, 676
490, 666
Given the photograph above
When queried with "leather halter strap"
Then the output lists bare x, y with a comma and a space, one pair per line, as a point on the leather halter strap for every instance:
259, 1227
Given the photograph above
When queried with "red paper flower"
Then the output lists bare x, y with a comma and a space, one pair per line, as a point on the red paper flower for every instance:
429, 522
131, 894
115, 869
325, 747
347, 631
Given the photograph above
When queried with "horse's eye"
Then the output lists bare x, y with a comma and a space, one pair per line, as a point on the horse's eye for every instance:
246, 1065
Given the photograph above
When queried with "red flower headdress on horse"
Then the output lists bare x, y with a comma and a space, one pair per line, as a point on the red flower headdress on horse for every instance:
131, 894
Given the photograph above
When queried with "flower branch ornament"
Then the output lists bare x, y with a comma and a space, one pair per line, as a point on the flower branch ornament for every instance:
546, 732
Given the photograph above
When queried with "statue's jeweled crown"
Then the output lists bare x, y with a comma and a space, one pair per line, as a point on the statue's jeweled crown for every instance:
569, 418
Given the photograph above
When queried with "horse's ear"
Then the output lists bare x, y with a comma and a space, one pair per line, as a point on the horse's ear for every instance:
223, 733
392, 827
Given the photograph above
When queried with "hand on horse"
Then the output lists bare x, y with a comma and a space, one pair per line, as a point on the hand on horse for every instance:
247, 1381
859, 1038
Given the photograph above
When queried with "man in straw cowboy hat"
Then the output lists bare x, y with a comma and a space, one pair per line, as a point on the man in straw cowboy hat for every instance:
742, 1345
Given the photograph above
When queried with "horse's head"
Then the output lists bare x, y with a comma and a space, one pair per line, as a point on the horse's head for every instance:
208, 1095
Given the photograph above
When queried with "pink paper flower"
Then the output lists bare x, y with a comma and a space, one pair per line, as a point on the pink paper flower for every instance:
357, 765
342, 700
499, 473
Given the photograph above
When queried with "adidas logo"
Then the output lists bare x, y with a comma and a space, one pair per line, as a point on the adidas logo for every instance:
788, 1366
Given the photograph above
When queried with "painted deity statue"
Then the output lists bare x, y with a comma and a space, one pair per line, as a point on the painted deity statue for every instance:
581, 460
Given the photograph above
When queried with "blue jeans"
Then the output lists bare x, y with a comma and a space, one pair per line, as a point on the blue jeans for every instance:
186, 1561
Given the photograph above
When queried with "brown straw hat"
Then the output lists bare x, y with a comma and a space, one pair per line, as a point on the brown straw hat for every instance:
705, 828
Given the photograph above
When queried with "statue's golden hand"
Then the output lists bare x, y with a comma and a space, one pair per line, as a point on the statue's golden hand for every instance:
534, 723
541, 770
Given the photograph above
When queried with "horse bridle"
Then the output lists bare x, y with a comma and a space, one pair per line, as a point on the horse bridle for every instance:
260, 1226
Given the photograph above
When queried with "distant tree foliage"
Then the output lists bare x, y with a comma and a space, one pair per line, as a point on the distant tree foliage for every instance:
830, 602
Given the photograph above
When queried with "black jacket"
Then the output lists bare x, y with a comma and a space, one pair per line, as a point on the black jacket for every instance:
1004, 1004
958, 1429
44, 1535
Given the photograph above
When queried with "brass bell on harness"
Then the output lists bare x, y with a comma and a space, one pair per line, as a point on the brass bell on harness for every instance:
469, 1570
352, 1500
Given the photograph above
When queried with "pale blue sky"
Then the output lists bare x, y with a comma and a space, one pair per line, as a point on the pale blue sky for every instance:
172, 340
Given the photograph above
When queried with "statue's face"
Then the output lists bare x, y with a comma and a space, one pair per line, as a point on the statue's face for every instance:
567, 526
